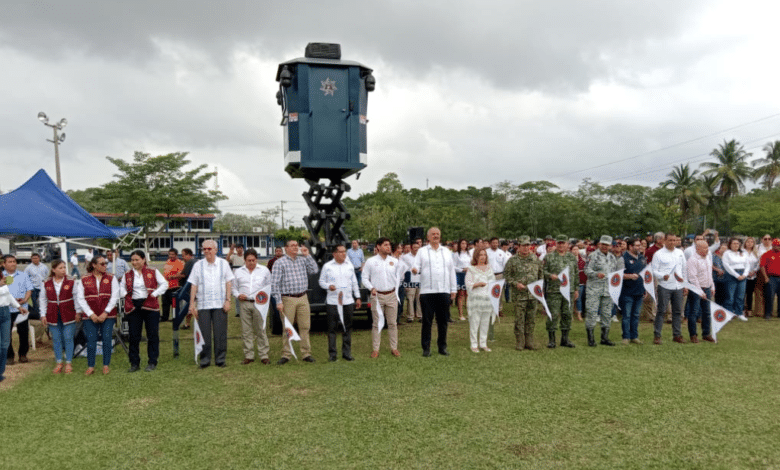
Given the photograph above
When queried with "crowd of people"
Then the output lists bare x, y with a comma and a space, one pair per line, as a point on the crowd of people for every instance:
425, 276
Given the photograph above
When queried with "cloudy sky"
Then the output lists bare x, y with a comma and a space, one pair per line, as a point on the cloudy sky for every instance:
466, 95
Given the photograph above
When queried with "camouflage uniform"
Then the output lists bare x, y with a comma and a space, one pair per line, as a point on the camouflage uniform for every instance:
559, 307
598, 303
525, 270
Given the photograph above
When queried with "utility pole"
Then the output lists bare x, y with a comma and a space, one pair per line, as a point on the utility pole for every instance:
58, 139
282, 211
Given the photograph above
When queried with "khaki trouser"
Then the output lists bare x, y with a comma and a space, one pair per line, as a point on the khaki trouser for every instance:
252, 329
389, 304
296, 309
413, 294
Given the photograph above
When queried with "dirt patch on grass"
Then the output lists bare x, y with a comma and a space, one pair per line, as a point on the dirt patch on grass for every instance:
141, 403
42, 357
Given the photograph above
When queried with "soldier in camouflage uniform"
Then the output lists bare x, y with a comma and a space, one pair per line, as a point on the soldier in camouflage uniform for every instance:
560, 308
598, 303
519, 271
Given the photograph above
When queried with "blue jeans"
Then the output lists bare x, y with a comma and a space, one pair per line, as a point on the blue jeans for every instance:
771, 289
631, 306
735, 294
103, 331
75, 272
581, 299
699, 308
62, 336
5, 336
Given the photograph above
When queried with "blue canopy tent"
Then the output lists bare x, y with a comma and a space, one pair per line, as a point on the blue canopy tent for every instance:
39, 207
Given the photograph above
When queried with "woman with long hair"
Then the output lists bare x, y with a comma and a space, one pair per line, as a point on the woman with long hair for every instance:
58, 310
97, 294
140, 289
478, 277
736, 266
763, 247
461, 260
751, 252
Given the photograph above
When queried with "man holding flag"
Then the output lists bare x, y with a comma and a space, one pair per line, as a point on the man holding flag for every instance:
598, 303
632, 263
669, 268
380, 276
519, 271
339, 280
700, 277
558, 267
252, 279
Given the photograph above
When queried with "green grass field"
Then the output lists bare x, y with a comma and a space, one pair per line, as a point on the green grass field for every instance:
670, 406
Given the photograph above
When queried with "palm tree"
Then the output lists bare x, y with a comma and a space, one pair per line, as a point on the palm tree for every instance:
687, 190
731, 170
713, 202
769, 170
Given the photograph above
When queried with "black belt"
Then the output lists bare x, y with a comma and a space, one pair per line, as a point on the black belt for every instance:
385, 292
294, 295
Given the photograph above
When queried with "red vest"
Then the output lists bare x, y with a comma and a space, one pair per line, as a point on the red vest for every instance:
97, 297
150, 281
63, 304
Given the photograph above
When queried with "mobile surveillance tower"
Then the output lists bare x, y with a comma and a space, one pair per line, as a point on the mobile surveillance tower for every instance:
324, 101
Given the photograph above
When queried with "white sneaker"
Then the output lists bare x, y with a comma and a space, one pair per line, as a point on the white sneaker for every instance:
742, 317
615, 320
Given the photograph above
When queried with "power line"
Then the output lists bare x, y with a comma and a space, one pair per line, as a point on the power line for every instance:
669, 146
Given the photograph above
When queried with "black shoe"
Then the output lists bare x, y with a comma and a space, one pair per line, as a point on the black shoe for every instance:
443, 352
591, 338
551, 335
150, 367
565, 339
282, 361
308, 359
605, 337
426, 353
134, 368
221, 364
185, 327
332, 359
203, 366
238, 315
176, 354
347, 357
10, 361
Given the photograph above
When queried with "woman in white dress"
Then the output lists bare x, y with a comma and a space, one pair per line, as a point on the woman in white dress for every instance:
480, 308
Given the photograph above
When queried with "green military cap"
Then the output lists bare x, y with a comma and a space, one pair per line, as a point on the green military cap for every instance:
561, 238
606, 239
548, 237
524, 240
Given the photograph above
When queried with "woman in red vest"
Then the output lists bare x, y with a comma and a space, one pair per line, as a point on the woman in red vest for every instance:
57, 301
141, 287
97, 295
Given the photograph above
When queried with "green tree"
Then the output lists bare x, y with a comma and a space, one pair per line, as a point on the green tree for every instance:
153, 189
229, 222
731, 170
687, 192
88, 199
768, 167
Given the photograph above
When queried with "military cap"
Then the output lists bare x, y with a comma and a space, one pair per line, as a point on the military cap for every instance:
606, 239
561, 238
548, 237
524, 240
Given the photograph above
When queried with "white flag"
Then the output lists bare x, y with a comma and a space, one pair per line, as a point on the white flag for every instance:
21, 317
340, 309
537, 290
261, 302
615, 285
563, 276
720, 316
381, 321
693, 288
291, 334
197, 337
495, 294
647, 280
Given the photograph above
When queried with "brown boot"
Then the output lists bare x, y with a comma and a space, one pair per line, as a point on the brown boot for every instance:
694, 339
709, 338
520, 343
529, 343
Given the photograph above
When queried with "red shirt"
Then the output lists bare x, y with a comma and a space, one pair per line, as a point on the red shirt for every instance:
651, 251
771, 262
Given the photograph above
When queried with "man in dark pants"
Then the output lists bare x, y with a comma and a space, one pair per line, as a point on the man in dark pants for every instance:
437, 289
770, 269
210, 281
21, 288
338, 278
172, 273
